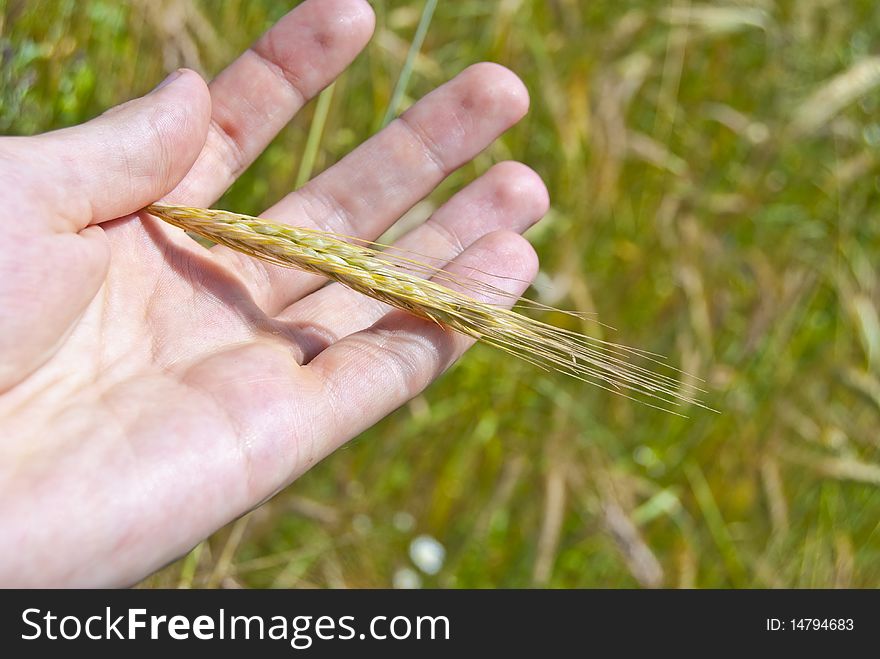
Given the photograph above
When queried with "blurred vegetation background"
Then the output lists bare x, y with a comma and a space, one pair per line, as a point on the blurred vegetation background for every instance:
715, 172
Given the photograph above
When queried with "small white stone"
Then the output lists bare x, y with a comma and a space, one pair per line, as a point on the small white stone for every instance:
427, 554
406, 579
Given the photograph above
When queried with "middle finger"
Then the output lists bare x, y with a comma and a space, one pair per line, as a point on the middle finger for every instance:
369, 189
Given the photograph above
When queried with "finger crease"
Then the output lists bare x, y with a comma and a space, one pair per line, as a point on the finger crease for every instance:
233, 146
290, 80
336, 216
451, 237
429, 146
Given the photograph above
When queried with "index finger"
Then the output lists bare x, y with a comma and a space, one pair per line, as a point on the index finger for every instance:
257, 95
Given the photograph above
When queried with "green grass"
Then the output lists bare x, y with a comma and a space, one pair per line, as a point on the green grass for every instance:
687, 210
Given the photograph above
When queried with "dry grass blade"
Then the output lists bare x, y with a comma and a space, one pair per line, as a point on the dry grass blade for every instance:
717, 20
836, 94
395, 278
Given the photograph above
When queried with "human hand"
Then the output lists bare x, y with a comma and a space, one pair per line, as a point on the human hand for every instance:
152, 390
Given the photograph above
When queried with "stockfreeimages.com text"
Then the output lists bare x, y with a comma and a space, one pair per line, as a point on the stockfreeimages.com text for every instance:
300, 631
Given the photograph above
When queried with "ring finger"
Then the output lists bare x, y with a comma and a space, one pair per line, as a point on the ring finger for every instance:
510, 196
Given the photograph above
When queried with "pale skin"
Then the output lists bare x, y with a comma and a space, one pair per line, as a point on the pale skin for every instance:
152, 390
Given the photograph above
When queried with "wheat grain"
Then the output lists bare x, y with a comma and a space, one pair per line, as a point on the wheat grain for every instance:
397, 278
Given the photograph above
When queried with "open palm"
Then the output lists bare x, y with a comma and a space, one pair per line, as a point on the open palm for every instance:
152, 390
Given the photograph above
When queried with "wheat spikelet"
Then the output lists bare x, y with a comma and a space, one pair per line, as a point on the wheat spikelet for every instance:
398, 279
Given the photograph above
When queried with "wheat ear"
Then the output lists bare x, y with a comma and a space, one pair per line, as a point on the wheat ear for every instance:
399, 279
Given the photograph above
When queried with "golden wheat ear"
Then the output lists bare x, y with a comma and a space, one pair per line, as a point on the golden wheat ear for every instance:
407, 282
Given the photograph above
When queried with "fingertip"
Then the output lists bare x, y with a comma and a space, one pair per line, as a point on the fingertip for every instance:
506, 259
153, 142
516, 254
362, 18
156, 140
517, 186
337, 28
497, 89
185, 96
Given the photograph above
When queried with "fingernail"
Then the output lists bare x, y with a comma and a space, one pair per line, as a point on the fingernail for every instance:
171, 78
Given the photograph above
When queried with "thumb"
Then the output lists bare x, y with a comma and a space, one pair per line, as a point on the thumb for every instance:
131, 155
109, 167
